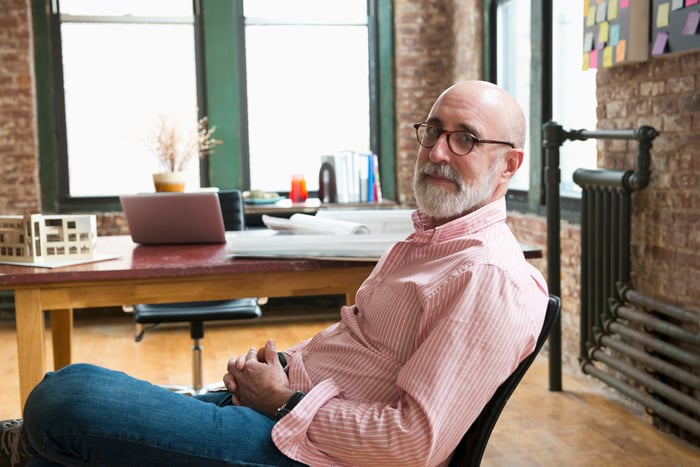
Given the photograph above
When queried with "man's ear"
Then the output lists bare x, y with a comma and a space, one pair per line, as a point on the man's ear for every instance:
514, 159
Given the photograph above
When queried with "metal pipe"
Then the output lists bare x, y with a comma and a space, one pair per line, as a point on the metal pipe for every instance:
648, 381
553, 136
656, 406
673, 351
589, 179
655, 363
658, 325
631, 295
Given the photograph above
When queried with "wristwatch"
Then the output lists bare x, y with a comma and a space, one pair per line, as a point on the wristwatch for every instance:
289, 405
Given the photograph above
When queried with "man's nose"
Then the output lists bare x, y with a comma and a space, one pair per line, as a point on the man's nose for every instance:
441, 152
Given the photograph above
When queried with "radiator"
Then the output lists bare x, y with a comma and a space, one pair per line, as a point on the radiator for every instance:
646, 349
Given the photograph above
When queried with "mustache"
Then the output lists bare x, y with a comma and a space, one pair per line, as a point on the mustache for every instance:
441, 170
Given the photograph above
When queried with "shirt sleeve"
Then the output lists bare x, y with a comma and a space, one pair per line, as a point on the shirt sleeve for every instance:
480, 331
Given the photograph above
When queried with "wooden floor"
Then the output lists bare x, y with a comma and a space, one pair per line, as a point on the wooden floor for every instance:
576, 427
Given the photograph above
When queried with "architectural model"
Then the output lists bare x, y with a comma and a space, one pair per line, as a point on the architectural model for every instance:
42, 238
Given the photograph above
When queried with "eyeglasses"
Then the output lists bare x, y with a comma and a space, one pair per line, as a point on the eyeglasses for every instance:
462, 143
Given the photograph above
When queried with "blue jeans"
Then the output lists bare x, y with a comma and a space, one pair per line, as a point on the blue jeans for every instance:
87, 415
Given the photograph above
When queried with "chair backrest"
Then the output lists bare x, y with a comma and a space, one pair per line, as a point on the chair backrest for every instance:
232, 209
471, 448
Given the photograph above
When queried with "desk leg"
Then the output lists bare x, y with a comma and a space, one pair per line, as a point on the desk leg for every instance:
31, 344
62, 335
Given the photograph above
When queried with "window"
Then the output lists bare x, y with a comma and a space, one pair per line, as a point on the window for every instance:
513, 52
123, 63
308, 86
119, 64
572, 94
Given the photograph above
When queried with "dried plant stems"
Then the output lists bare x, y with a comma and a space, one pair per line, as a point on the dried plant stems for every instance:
175, 148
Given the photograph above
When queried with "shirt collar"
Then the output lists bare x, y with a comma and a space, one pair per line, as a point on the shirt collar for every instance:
470, 223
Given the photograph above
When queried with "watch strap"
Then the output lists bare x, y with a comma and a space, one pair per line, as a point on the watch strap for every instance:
289, 405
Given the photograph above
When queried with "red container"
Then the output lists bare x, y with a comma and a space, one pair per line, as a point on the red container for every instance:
298, 193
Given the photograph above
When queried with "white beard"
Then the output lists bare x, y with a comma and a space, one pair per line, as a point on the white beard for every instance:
440, 203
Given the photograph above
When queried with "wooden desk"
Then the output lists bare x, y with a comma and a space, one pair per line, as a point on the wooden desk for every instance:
153, 274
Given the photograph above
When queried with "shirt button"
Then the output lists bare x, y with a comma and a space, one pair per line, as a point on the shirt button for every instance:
342, 326
305, 353
379, 279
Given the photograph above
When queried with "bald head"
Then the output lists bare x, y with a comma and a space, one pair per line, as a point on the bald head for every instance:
498, 110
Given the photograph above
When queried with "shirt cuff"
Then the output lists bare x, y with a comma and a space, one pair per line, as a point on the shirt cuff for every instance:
289, 433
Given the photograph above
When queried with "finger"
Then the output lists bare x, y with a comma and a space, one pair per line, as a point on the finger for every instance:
230, 383
252, 354
270, 350
231, 365
240, 362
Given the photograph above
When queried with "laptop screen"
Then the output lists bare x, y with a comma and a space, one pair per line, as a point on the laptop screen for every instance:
172, 218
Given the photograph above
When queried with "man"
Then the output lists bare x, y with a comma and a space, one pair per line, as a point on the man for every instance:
444, 318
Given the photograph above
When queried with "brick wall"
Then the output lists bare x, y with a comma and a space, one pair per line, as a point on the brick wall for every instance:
665, 94
19, 184
435, 45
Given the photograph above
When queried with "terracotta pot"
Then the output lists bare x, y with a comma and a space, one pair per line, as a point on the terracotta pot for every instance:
169, 181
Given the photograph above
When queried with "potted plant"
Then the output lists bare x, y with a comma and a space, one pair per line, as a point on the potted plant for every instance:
175, 147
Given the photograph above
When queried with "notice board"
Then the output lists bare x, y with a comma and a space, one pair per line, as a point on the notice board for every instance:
675, 26
615, 32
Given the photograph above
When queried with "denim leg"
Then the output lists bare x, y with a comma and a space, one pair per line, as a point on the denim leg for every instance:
87, 415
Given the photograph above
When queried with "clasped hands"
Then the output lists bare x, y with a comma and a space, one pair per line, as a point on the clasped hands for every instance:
257, 380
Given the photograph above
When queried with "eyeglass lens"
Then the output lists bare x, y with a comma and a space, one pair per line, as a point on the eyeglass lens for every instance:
460, 142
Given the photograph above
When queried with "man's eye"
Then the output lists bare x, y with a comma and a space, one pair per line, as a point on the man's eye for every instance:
432, 131
464, 138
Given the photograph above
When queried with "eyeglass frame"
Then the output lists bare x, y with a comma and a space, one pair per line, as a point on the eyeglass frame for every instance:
473, 138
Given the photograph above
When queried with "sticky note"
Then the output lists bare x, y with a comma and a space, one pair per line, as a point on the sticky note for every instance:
691, 2
691, 24
586, 7
607, 57
601, 12
662, 15
586, 62
590, 19
676, 5
614, 34
593, 56
603, 32
621, 51
612, 9
624, 3
588, 41
660, 43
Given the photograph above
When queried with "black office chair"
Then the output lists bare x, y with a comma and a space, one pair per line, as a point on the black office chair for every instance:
471, 449
196, 313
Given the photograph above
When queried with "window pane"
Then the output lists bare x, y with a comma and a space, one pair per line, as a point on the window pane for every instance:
573, 97
127, 7
114, 95
301, 11
513, 52
305, 99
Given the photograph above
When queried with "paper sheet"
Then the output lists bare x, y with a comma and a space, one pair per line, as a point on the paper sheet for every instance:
304, 223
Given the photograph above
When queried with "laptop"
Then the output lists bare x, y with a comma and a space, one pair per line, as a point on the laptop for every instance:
174, 218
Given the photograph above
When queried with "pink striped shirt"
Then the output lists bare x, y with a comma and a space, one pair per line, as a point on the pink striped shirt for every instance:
441, 322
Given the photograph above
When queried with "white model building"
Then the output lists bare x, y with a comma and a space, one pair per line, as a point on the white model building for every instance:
46, 238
